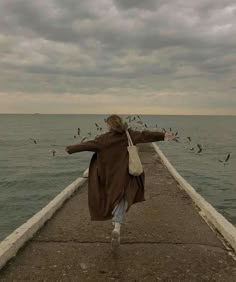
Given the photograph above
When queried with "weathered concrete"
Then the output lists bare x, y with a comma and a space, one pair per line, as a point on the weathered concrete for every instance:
207, 211
10, 245
163, 239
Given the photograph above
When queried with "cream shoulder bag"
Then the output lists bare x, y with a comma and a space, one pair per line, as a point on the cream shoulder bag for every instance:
135, 165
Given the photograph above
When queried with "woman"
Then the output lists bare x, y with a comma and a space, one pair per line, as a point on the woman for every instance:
110, 186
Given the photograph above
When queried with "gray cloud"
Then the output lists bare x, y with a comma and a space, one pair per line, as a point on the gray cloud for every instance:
139, 4
84, 46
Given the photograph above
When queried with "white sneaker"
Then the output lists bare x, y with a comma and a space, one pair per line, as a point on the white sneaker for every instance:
115, 240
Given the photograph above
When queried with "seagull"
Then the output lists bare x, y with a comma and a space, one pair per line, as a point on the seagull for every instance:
200, 148
83, 139
35, 142
129, 118
226, 160
175, 139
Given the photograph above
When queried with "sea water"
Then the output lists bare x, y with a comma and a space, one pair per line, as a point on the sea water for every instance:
30, 176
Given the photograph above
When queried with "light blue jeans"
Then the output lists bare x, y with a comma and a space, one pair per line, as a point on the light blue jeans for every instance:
118, 212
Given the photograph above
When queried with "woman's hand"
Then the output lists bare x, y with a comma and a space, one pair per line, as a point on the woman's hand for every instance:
168, 136
68, 149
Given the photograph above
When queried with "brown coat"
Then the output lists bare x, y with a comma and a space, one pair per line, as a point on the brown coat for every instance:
109, 179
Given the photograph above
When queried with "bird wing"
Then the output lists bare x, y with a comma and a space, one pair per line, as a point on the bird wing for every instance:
227, 158
199, 146
175, 139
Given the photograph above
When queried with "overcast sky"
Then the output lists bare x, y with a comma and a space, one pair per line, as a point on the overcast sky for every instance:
118, 56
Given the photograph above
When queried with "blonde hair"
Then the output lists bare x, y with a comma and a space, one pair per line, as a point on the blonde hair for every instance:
116, 123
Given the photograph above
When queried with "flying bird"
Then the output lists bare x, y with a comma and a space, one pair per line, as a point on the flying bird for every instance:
83, 139
35, 142
129, 118
226, 160
200, 148
176, 139
139, 122
189, 139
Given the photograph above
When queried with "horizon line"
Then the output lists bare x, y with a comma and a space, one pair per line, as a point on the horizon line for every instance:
118, 114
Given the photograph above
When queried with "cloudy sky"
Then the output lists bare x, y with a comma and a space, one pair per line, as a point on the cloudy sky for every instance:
118, 56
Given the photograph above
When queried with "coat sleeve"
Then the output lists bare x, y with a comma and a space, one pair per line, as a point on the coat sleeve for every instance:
146, 136
91, 145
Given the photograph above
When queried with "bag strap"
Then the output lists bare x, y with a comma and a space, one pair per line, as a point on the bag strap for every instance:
129, 138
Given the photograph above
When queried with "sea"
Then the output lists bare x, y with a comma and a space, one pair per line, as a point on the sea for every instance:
30, 176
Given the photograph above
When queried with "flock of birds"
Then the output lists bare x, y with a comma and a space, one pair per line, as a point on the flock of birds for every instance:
175, 137
136, 123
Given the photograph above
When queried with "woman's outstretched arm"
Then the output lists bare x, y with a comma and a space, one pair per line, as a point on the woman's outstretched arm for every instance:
92, 146
148, 136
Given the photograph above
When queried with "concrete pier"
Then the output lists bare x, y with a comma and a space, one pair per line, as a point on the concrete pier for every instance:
163, 239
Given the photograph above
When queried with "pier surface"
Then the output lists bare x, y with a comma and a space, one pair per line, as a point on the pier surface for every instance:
163, 239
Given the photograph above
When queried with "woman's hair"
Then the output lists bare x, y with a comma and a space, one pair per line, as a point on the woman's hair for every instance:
116, 123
